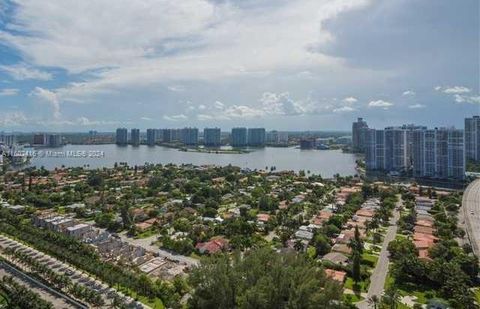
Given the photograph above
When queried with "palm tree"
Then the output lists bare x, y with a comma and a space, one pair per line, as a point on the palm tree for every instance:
373, 300
391, 297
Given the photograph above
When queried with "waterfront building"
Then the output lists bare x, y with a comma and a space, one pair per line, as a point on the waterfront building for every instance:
189, 136
54, 140
7, 139
307, 143
158, 135
472, 138
239, 137
167, 135
122, 136
277, 138
439, 153
358, 135
212, 137
151, 137
256, 137
135, 137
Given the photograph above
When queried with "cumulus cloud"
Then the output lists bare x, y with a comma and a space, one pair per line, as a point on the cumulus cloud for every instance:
8, 92
12, 119
380, 103
23, 71
408, 93
178, 117
49, 97
343, 109
453, 90
167, 41
467, 99
350, 100
416, 106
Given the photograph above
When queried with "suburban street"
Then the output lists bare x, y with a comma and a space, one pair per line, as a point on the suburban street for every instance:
471, 214
377, 279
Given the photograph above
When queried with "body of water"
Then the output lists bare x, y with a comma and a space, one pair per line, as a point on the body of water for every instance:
323, 162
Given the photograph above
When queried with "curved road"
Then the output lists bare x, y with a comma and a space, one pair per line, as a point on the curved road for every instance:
471, 212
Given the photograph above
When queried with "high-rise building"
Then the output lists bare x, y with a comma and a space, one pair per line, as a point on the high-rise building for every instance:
122, 136
135, 137
256, 137
472, 138
7, 139
158, 135
189, 136
239, 137
151, 137
358, 135
277, 138
40, 139
396, 157
211, 137
54, 140
439, 153
167, 135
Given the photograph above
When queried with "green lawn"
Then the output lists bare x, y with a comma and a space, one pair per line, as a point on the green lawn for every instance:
477, 295
155, 303
362, 286
146, 234
370, 259
352, 298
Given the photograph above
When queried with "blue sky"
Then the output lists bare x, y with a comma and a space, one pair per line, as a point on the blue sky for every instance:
70, 65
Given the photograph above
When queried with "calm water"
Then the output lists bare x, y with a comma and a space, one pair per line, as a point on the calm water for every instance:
323, 162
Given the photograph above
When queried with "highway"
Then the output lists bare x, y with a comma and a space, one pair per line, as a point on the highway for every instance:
471, 213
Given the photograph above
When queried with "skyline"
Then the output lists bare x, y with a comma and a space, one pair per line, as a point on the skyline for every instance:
275, 64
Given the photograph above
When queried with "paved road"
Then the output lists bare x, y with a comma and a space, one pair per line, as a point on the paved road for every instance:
471, 214
57, 299
377, 279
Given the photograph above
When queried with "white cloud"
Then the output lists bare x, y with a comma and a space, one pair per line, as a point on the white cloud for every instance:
168, 41
380, 103
176, 88
12, 119
8, 92
453, 90
23, 71
84, 121
146, 118
467, 99
343, 109
408, 93
350, 100
416, 106
178, 117
282, 104
49, 97
437, 88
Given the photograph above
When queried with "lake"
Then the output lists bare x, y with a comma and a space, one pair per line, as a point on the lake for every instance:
323, 162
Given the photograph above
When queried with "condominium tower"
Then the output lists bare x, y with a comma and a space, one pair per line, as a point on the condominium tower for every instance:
472, 138
135, 137
211, 137
121, 136
239, 137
